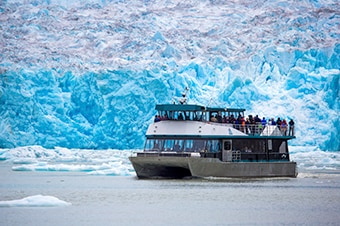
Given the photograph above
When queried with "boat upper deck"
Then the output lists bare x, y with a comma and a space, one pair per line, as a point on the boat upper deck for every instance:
194, 112
216, 121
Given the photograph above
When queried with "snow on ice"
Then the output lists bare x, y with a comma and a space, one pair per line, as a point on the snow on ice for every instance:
35, 201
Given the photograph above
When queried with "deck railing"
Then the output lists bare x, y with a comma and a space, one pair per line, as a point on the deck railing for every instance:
261, 130
265, 130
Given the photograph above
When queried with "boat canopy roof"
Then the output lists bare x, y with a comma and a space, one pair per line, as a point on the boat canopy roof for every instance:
194, 107
226, 109
179, 107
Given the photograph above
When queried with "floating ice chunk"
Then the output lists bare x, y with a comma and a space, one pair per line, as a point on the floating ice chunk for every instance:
312, 158
94, 162
35, 201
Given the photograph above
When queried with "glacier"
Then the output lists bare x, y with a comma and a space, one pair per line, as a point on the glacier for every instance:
87, 74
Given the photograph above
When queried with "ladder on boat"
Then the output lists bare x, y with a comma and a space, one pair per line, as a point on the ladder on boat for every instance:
236, 156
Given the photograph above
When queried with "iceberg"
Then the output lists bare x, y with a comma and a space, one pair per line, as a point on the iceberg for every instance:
87, 74
35, 201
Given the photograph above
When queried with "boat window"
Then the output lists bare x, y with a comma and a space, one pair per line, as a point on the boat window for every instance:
270, 145
199, 145
173, 145
178, 145
256, 146
153, 145
171, 115
213, 146
181, 116
188, 145
168, 145
227, 145
198, 116
283, 148
188, 115
277, 146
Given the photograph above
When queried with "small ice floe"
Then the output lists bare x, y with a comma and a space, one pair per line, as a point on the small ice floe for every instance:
35, 201
95, 162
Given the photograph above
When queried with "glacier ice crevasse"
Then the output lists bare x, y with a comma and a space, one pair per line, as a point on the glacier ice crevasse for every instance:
88, 76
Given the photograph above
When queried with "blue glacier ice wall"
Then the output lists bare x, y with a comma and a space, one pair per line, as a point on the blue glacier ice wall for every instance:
87, 74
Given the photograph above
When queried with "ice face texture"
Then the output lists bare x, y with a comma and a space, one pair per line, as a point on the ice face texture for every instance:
87, 75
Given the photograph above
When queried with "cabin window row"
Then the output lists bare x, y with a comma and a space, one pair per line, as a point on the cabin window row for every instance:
216, 145
183, 145
195, 115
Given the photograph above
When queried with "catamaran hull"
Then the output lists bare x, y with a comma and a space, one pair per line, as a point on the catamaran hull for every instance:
209, 167
180, 167
161, 167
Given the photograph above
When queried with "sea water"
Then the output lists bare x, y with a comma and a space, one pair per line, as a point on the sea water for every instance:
313, 198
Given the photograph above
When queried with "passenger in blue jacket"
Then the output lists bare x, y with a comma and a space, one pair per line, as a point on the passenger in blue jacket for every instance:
291, 128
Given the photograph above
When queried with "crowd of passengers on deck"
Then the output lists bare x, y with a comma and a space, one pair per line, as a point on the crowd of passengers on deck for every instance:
255, 125
249, 125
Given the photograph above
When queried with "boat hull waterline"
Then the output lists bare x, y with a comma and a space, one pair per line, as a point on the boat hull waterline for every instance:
182, 167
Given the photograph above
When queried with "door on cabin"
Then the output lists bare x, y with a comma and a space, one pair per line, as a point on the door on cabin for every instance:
227, 153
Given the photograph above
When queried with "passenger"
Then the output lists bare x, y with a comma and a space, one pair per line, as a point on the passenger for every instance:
284, 126
251, 119
165, 117
257, 119
239, 123
243, 123
235, 124
232, 119
180, 116
253, 128
157, 118
248, 121
239, 118
259, 127
264, 122
177, 147
219, 118
213, 119
273, 122
155, 147
246, 149
278, 123
291, 128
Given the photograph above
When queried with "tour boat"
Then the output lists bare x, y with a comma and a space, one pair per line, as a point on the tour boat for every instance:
190, 140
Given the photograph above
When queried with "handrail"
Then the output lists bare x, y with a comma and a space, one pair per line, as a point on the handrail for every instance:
260, 130
265, 130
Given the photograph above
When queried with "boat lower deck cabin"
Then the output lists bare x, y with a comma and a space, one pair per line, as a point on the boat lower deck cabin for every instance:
251, 150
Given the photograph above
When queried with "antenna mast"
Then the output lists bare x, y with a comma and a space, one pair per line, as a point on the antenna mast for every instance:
183, 100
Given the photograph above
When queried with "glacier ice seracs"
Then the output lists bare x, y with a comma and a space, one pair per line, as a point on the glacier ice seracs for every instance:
87, 74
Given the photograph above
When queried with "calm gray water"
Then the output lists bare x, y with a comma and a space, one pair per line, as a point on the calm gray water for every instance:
310, 199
